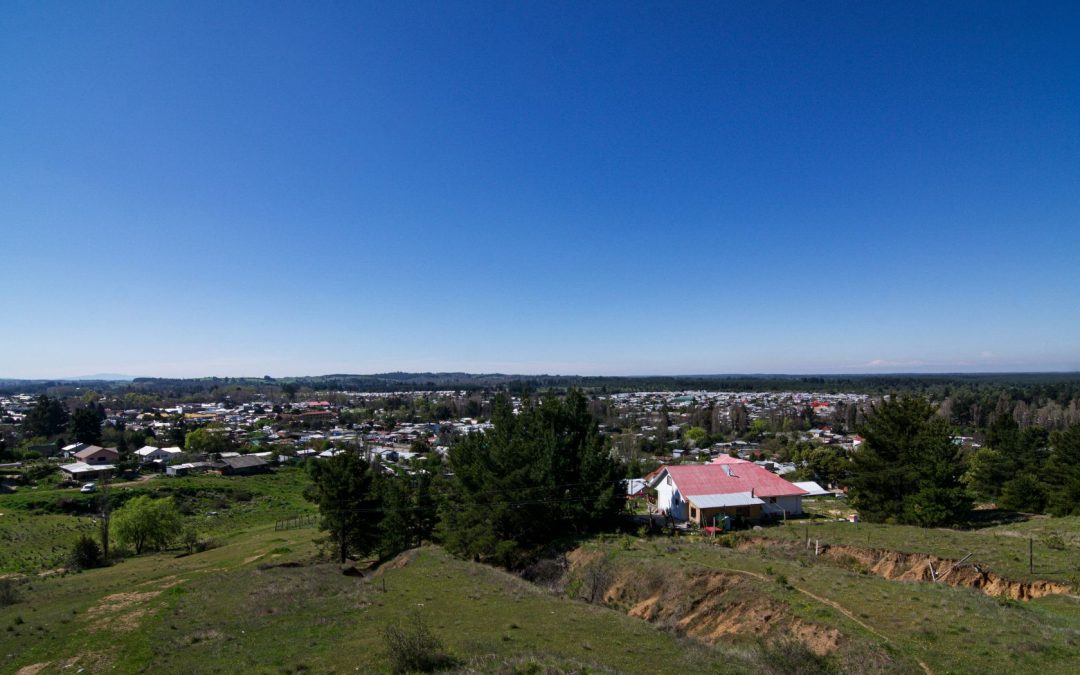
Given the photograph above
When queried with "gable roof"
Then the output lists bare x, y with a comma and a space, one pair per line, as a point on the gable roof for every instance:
91, 450
728, 478
243, 462
812, 488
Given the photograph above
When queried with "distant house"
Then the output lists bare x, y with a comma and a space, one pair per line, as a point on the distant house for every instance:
149, 453
242, 465
813, 489
81, 471
96, 456
728, 487
635, 487
186, 468
69, 450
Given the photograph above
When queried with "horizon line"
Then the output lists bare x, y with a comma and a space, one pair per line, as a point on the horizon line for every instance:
762, 374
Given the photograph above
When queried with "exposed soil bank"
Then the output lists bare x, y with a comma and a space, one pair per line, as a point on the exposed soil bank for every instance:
922, 567
702, 604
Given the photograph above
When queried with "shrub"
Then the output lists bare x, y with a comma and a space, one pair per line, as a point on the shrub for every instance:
1054, 541
9, 594
189, 537
789, 656
412, 647
85, 554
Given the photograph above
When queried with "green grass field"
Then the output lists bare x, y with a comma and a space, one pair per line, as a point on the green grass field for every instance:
30, 543
38, 527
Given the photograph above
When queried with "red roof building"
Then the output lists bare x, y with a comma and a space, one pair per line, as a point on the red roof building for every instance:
729, 486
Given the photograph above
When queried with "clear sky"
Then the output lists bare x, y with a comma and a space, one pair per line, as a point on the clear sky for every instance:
192, 189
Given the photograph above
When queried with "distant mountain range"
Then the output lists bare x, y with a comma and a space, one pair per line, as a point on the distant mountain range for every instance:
101, 377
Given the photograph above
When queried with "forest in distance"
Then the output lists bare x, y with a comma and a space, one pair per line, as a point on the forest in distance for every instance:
1058, 386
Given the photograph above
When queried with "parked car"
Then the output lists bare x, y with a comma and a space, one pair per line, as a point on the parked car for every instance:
89, 487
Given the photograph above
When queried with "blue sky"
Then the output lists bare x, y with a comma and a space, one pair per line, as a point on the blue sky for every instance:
192, 189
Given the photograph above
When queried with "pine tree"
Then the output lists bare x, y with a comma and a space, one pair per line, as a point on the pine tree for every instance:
349, 508
1062, 473
908, 469
537, 476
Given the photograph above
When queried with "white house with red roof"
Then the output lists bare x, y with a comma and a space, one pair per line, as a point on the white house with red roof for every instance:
729, 486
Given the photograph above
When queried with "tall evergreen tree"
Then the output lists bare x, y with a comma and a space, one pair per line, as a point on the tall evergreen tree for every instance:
539, 475
349, 508
86, 426
47, 418
908, 469
1062, 472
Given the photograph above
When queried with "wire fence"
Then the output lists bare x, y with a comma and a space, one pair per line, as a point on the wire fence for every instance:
296, 522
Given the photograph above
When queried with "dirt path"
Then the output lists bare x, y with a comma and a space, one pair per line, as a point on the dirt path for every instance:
831, 603
141, 479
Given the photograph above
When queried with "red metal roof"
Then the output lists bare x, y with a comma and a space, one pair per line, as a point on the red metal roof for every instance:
713, 479
728, 459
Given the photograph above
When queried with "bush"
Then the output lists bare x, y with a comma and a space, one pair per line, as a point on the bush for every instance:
86, 554
1054, 541
189, 536
413, 647
9, 594
789, 656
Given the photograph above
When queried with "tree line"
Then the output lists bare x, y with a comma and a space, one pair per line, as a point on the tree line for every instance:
911, 467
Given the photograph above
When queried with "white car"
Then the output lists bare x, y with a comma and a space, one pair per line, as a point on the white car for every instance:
89, 487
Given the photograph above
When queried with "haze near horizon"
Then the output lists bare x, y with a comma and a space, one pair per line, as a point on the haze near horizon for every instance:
613, 188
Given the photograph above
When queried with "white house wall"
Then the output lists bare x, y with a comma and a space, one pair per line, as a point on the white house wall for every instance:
669, 500
793, 505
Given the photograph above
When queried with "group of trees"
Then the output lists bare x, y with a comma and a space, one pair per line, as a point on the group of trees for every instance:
908, 468
537, 476
369, 511
142, 524
46, 419
911, 468
1027, 469
540, 474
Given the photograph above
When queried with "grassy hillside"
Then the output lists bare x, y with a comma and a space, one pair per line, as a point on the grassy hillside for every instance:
1002, 548
260, 604
262, 601
38, 526
945, 628
30, 543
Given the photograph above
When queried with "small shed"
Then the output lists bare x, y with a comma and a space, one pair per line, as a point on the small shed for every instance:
242, 465
81, 471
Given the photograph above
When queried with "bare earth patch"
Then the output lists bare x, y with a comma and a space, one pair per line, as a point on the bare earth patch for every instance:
120, 601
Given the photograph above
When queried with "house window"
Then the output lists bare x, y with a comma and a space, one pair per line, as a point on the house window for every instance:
693, 512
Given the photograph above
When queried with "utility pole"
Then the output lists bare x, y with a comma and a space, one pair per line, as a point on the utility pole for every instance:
106, 511
1031, 555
